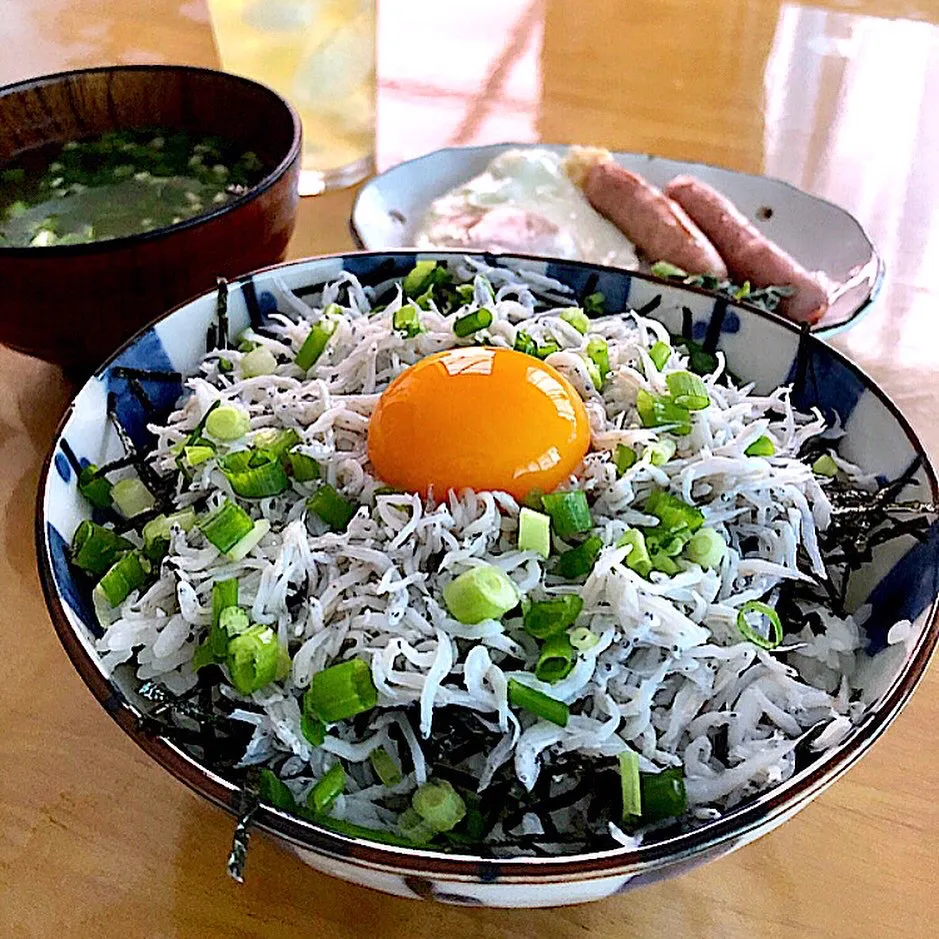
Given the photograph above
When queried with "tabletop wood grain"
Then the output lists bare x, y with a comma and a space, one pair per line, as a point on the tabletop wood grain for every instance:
839, 98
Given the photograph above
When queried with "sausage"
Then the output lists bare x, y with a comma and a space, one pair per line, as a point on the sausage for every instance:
655, 224
749, 254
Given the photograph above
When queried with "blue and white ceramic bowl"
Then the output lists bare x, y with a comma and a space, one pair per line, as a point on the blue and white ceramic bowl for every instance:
901, 582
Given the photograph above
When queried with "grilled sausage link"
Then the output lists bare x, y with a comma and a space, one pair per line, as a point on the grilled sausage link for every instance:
651, 221
749, 254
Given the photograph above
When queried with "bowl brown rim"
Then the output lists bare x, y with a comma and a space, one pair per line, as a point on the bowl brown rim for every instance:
733, 829
167, 231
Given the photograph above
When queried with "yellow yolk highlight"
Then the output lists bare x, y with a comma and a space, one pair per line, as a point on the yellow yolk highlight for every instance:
483, 418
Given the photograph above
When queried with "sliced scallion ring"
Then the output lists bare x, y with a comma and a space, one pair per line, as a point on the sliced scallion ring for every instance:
775, 636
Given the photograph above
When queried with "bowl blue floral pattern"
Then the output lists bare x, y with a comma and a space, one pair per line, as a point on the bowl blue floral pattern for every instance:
146, 377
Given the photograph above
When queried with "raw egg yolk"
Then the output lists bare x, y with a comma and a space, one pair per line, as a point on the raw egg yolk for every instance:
487, 419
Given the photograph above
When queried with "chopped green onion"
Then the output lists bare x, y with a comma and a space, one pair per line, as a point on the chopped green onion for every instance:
672, 512
96, 489
555, 660
304, 468
472, 323
340, 691
227, 423
630, 786
667, 270
483, 592
576, 318
662, 795
334, 509
750, 634
825, 466
275, 441
272, 790
225, 366
660, 353
583, 639
224, 595
327, 790
246, 345
127, 574
284, 663
663, 563
660, 452
227, 525
668, 541
699, 361
533, 499
546, 349
254, 474
156, 533
534, 532
131, 497
313, 729
660, 412
385, 766
638, 559
426, 299
195, 437
250, 541
743, 291
257, 362
762, 446
623, 458
579, 561
545, 618
439, 804
198, 454
413, 827
521, 696
569, 512
593, 372
706, 548
407, 321
363, 832
233, 620
595, 303
465, 292
316, 340
599, 353
524, 343
253, 658
687, 390
419, 278
214, 648
95, 548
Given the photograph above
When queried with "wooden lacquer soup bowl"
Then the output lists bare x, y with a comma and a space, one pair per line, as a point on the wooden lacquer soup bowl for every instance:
74, 304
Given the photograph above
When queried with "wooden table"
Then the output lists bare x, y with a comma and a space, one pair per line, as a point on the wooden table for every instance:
839, 98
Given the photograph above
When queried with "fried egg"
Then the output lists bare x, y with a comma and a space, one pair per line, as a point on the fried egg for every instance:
524, 202
477, 417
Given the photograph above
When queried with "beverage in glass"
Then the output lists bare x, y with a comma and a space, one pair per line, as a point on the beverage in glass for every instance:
320, 55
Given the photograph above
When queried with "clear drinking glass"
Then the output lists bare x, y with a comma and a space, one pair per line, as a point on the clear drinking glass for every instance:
320, 55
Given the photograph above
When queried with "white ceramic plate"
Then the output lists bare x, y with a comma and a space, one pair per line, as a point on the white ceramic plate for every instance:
818, 234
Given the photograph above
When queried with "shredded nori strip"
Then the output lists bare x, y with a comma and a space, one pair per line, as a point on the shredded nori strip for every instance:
221, 313
248, 802
146, 374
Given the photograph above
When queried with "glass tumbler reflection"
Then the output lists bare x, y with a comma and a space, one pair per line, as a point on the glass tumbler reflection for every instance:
320, 55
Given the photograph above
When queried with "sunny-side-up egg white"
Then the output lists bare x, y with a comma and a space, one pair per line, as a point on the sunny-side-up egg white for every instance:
488, 419
524, 202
